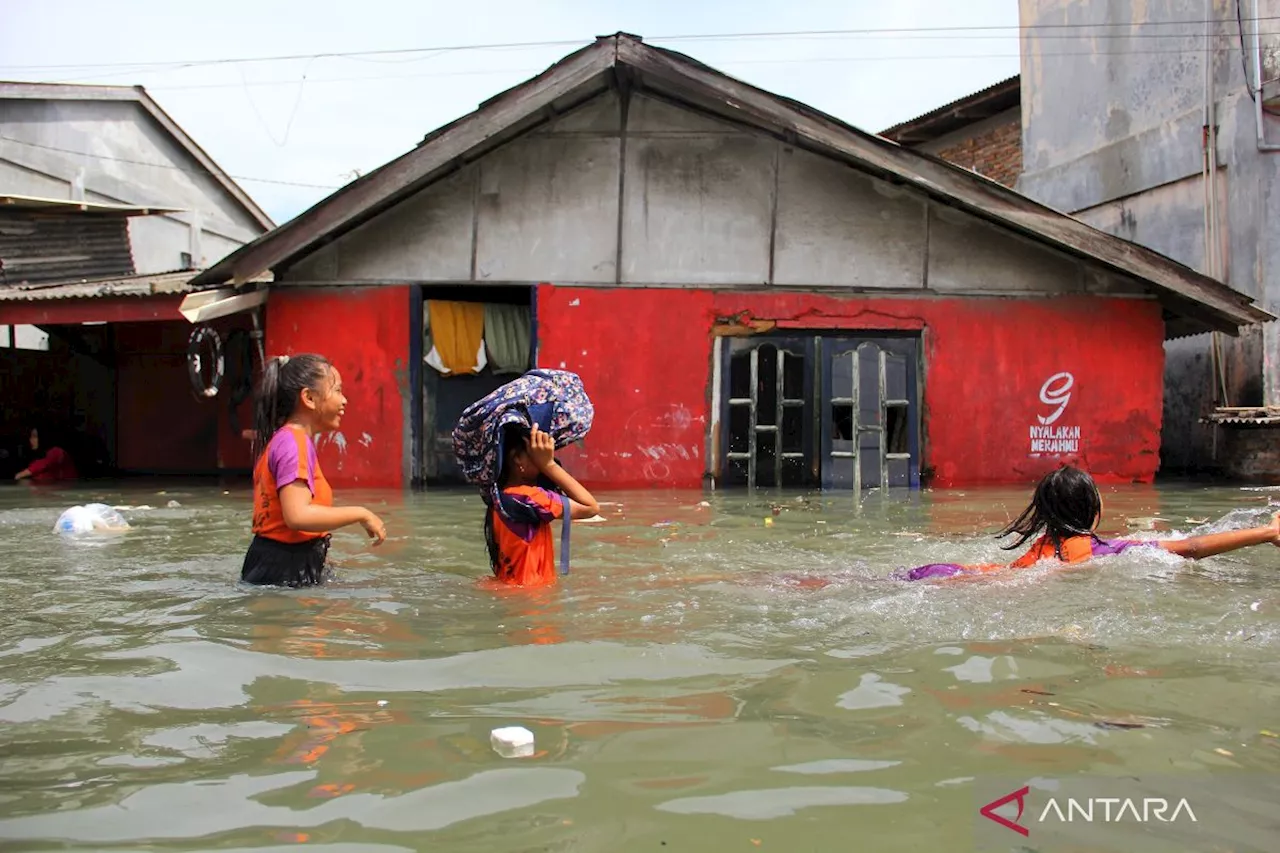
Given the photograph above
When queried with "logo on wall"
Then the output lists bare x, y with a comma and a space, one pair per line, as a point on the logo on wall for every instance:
1051, 438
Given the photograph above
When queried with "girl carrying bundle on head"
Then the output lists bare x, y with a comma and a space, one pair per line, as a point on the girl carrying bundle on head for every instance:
1064, 513
293, 512
519, 539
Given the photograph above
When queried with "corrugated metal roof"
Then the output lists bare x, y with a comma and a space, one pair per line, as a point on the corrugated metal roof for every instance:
1193, 302
995, 99
1244, 415
62, 247
152, 284
31, 203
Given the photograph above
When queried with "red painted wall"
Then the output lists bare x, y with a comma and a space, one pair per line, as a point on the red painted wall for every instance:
142, 406
162, 426
364, 331
645, 357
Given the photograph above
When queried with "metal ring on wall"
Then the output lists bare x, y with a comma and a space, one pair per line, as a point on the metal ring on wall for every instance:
203, 337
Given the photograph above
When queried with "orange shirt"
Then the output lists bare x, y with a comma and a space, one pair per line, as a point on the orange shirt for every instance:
290, 456
526, 551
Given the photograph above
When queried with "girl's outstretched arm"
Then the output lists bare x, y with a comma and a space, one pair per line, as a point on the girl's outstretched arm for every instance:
1199, 547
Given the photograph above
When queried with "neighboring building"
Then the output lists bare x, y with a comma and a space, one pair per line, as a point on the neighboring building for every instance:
981, 132
107, 209
751, 290
1117, 100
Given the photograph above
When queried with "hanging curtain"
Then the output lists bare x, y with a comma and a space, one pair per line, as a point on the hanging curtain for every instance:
506, 335
456, 337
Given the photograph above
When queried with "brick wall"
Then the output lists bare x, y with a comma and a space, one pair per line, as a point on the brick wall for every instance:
995, 152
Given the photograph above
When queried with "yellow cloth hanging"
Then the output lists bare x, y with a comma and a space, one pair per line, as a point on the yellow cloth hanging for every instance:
457, 332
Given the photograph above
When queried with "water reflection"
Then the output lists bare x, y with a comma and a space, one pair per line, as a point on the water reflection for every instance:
712, 660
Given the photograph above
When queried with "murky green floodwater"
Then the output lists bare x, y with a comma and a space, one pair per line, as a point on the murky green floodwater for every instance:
688, 688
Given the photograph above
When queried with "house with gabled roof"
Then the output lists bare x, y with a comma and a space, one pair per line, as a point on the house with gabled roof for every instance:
108, 208
755, 293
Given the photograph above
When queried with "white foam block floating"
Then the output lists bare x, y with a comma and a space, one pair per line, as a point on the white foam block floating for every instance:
512, 742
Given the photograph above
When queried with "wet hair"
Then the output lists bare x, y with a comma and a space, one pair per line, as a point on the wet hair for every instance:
284, 377
514, 437
1066, 503
48, 437
26, 452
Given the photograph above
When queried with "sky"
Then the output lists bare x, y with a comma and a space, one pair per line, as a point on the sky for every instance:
292, 130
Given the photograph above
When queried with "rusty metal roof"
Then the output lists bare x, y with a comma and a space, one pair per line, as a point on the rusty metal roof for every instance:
983, 104
1192, 302
62, 247
1243, 415
147, 284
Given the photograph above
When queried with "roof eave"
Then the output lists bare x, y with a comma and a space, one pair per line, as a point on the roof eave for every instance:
666, 72
404, 174
991, 101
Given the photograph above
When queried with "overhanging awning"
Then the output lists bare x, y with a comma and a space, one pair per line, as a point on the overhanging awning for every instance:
38, 204
210, 304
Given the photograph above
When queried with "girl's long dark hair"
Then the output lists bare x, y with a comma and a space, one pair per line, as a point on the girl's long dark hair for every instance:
1066, 503
491, 539
283, 378
514, 437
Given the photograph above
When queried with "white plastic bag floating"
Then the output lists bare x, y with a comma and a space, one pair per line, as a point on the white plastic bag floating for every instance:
89, 519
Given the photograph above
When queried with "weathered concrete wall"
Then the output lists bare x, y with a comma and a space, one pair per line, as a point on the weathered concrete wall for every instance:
702, 203
645, 356
837, 227
1113, 123
120, 142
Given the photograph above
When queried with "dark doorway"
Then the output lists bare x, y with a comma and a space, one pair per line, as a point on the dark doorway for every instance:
445, 396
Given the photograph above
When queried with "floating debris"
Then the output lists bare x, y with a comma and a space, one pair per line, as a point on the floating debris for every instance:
1118, 724
512, 742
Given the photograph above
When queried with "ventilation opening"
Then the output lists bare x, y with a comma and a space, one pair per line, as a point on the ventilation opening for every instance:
842, 422
895, 428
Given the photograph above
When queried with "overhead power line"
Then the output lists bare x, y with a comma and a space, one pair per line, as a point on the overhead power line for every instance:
1106, 30
172, 166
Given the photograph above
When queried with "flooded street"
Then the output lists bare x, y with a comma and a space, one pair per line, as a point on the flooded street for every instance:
701, 681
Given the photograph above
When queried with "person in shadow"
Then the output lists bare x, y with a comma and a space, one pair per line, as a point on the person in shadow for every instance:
48, 463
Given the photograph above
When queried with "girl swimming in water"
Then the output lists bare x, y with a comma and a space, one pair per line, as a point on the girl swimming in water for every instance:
293, 509
519, 539
1064, 513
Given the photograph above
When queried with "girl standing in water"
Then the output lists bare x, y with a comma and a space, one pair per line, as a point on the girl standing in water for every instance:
293, 509
1064, 513
519, 540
